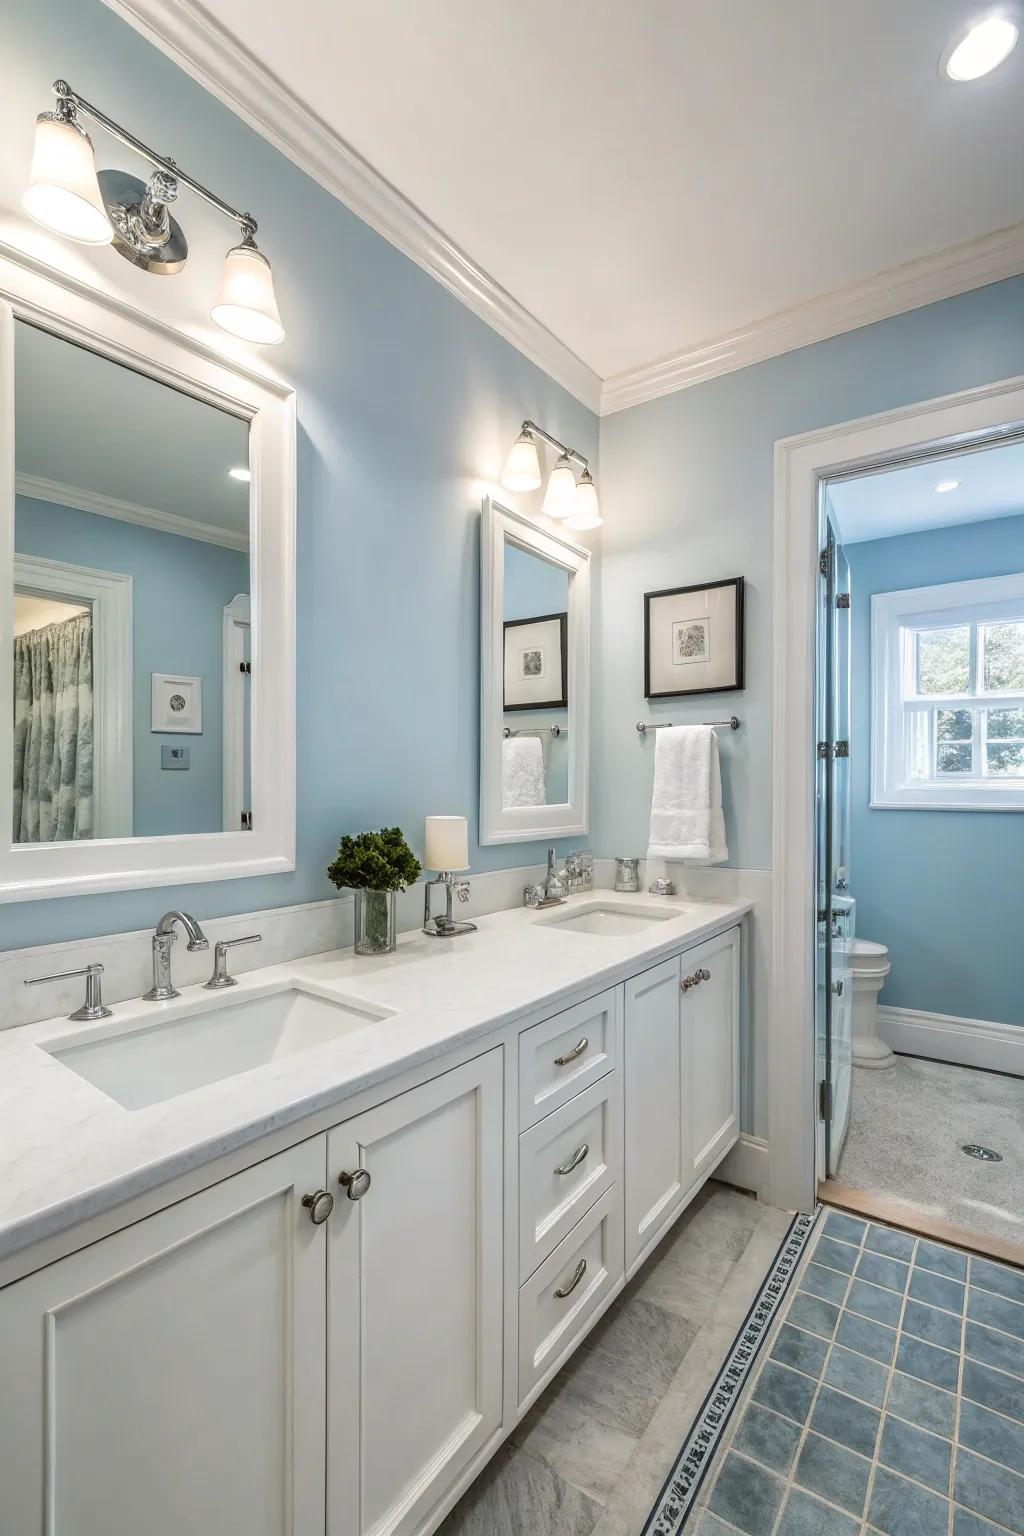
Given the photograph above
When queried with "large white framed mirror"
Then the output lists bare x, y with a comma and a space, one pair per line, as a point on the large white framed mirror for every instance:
534, 681
147, 533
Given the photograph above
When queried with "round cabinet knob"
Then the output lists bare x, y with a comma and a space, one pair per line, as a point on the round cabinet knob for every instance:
319, 1205
356, 1184
705, 975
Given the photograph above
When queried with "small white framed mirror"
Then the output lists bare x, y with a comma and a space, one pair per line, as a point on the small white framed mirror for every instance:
147, 526
534, 681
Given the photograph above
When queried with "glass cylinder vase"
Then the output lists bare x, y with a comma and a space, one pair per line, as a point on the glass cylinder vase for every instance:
376, 928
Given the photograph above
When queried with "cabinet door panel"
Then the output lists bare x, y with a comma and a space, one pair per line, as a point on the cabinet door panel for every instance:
711, 1032
657, 1158
415, 1299
170, 1378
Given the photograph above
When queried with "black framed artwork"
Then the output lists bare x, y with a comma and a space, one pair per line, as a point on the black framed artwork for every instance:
693, 639
537, 662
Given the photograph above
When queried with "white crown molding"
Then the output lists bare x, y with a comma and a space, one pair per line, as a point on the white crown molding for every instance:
211, 55
989, 259
82, 500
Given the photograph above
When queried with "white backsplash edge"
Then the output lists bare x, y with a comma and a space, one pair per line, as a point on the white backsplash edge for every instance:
289, 933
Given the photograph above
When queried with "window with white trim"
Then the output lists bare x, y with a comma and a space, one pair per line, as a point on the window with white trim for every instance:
948, 696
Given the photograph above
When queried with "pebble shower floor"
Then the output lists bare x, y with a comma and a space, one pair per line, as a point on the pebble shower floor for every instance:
890, 1400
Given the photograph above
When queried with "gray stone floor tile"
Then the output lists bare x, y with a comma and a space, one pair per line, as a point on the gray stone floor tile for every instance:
746, 1495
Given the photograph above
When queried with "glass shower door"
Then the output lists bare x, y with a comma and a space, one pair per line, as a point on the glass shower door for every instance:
836, 909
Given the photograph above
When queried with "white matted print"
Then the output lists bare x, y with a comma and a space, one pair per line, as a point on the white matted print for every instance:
693, 639
177, 703
536, 663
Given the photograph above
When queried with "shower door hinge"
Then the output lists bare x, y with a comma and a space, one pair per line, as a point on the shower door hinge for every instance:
247, 821
842, 749
245, 667
825, 1099
823, 562
843, 600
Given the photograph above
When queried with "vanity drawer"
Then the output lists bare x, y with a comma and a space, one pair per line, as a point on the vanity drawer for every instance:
566, 1162
567, 1053
584, 1267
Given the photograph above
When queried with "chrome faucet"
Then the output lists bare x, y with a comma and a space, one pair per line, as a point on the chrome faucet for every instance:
554, 883
163, 988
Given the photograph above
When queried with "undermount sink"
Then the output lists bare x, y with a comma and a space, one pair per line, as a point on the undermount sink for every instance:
209, 1040
611, 919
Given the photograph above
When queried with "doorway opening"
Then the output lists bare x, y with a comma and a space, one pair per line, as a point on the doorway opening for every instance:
919, 842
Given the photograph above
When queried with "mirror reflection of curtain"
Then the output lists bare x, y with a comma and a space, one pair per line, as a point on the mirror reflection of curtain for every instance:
53, 732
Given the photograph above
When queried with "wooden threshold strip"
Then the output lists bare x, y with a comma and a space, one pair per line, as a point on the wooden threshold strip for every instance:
905, 1214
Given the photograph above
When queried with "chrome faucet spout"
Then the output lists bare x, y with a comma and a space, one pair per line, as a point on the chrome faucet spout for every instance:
163, 989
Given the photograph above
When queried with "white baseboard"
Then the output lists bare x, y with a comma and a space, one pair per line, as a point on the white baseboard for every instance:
943, 1037
746, 1165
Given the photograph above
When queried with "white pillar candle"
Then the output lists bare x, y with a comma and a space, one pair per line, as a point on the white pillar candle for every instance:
446, 843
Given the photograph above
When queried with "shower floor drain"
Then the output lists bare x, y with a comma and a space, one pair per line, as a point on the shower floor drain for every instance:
983, 1154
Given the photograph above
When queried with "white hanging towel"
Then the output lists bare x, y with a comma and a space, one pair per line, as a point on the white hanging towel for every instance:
686, 805
522, 771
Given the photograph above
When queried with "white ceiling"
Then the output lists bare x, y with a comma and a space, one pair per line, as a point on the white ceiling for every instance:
906, 501
88, 423
646, 178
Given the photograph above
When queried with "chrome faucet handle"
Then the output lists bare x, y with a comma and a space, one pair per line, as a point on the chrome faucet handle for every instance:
93, 1007
461, 889
220, 978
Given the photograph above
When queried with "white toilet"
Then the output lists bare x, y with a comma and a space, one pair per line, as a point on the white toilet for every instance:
869, 966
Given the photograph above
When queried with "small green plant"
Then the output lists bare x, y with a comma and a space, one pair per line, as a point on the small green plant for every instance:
375, 861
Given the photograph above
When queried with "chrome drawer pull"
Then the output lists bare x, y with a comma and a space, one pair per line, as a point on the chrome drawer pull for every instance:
567, 1290
575, 1160
582, 1044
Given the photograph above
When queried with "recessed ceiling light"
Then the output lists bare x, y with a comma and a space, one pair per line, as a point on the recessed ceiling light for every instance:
240, 474
947, 485
982, 49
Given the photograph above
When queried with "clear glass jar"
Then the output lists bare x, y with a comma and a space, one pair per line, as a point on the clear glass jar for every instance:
376, 926
627, 874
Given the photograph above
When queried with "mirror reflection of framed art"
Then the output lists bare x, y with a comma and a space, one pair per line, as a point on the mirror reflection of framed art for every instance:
537, 662
693, 639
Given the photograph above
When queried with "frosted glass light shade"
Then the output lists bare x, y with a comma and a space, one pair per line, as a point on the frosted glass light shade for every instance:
446, 843
522, 467
984, 48
586, 512
246, 305
560, 496
63, 193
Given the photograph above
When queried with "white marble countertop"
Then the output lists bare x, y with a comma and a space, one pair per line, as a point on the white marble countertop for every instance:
69, 1152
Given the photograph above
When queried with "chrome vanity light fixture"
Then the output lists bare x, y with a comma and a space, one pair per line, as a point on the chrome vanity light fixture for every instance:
574, 503
67, 195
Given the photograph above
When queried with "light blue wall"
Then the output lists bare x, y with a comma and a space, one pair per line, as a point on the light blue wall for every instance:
940, 888
407, 404
179, 591
687, 486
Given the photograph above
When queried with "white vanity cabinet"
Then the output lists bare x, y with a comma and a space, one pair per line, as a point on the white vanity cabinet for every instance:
170, 1378
415, 1290
682, 1082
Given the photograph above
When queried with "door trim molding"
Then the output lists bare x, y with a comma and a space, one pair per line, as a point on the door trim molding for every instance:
801, 464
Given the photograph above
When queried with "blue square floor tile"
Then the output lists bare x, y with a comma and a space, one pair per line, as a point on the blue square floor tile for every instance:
965, 1523
926, 1406
996, 1349
865, 1337
990, 1490
882, 1271
991, 1435
841, 1256
915, 1358
916, 1454
847, 1228
932, 1325
803, 1515
857, 1377
900, 1508
767, 1438
836, 1473
873, 1301
786, 1391
937, 1291
814, 1314
803, 1351
746, 1495
993, 1389
895, 1245
942, 1260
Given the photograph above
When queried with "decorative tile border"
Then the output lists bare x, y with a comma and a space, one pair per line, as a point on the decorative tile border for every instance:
679, 1493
